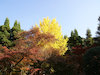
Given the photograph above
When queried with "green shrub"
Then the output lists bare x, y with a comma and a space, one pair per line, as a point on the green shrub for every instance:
92, 61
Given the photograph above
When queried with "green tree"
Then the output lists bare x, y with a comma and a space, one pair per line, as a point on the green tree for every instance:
91, 61
75, 32
75, 39
98, 29
5, 33
97, 38
6, 24
88, 40
15, 30
65, 36
72, 33
88, 33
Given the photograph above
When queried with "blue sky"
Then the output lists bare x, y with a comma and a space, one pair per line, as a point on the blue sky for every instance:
70, 14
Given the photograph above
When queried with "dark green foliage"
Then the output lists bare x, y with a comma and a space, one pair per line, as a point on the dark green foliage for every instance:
5, 34
75, 39
98, 29
72, 33
75, 33
92, 61
65, 36
88, 33
57, 65
60, 66
16, 26
6, 24
88, 40
97, 38
15, 30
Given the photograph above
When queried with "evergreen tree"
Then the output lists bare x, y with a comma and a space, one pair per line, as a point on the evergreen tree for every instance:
89, 40
91, 61
65, 36
6, 24
75, 39
5, 34
88, 33
15, 30
72, 33
98, 29
97, 38
15, 23
75, 33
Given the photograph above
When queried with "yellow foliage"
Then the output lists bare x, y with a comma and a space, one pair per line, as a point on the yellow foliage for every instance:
52, 27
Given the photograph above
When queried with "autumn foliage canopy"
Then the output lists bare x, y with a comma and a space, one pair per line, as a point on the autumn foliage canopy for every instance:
39, 43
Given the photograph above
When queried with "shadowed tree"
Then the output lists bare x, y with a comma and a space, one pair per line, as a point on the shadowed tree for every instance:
75, 39
75, 33
89, 40
98, 32
97, 38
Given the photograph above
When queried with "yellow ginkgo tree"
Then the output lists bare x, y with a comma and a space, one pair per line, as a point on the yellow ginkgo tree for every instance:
52, 27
